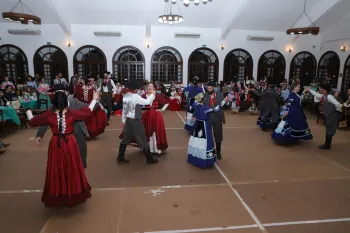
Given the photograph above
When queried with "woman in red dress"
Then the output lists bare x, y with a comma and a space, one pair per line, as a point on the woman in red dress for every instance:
153, 122
97, 121
175, 98
65, 183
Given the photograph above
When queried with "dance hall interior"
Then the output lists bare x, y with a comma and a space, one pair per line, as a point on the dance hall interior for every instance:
175, 116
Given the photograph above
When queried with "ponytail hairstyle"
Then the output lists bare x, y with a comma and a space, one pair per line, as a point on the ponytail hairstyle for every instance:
60, 103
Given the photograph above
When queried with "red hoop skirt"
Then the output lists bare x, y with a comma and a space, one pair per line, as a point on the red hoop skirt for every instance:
174, 105
97, 122
154, 123
65, 184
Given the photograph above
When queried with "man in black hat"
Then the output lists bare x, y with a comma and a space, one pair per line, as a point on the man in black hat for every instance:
331, 110
132, 118
269, 105
80, 130
108, 90
214, 99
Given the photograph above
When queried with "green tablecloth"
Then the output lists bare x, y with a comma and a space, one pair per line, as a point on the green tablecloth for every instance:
30, 104
10, 114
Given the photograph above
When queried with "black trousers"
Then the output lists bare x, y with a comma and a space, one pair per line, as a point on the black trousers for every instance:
216, 123
134, 129
106, 101
81, 141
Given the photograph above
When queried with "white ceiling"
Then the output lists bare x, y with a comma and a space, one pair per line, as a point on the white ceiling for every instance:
265, 15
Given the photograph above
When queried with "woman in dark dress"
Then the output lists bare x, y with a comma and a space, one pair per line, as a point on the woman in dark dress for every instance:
201, 149
65, 183
294, 127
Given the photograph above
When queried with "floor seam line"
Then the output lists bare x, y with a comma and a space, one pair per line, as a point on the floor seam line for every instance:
250, 212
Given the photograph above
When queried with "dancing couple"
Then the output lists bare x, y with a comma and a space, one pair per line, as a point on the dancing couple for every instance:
65, 184
134, 128
207, 115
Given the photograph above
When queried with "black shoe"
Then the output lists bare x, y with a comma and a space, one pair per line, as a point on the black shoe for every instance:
121, 159
327, 144
149, 156
324, 147
218, 151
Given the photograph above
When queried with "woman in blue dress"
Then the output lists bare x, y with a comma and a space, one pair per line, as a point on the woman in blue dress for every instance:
191, 92
294, 126
201, 149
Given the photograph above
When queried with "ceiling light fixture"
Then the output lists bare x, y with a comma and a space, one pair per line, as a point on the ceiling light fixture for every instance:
314, 30
168, 17
21, 17
196, 2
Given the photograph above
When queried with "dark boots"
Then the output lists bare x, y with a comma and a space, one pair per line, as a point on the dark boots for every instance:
121, 159
327, 144
149, 156
218, 150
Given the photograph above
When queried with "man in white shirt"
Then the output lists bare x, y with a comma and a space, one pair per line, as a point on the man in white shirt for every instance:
331, 110
132, 118
60, 80
108, 90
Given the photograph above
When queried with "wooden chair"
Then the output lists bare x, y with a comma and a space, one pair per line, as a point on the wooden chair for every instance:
22, 117
40, 111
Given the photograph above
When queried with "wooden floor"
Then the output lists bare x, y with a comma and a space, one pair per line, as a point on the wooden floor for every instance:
257, 187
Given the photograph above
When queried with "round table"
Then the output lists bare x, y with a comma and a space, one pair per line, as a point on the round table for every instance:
9, 113
29, 104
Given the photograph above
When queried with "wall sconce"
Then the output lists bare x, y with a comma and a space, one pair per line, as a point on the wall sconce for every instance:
222, 47
290, 49
68, 44
342, 48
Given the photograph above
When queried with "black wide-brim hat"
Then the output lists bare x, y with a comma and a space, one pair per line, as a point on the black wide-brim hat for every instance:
134, 84
326, 87
58, 87
107, 72
211, 84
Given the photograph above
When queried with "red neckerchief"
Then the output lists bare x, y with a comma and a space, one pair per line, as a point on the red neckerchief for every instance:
322, 99
212, 100
132, 91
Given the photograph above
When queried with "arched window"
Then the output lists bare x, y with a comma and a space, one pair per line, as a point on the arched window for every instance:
13, 63
167, 65
128, 64
204, 63
328, 68
303, 66
89, 60
238, 63
50, 60
272, 64
346, 77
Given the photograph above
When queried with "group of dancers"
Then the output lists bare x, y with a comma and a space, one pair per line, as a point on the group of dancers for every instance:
69, 120
289, 121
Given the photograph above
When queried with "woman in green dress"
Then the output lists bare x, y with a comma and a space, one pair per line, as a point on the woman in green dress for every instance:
42, 89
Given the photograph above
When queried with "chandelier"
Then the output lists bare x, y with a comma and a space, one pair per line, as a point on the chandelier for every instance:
196, 2
314, 30
168, 17
21, 17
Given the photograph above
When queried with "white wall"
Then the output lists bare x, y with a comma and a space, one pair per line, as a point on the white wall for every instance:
160, 36
281, 43
335, 37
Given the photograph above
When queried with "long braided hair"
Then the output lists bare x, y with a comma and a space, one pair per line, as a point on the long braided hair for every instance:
60, 103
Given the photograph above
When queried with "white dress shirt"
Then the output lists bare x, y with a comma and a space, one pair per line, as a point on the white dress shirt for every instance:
330, 99
105, 88
130, 100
